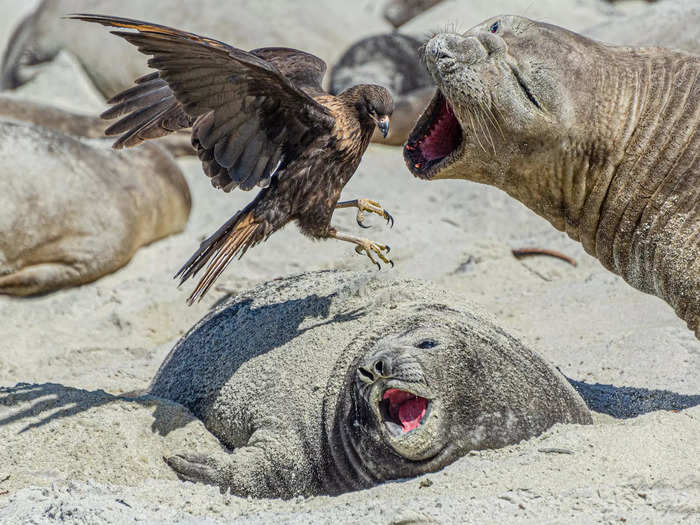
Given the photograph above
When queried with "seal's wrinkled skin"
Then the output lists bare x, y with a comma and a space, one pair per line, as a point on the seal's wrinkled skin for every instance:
331, 382
600, 140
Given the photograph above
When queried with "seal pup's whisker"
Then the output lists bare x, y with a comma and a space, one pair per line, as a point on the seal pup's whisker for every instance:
492, 117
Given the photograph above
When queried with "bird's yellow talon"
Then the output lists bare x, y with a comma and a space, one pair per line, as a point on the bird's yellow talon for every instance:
367, 205
369, 247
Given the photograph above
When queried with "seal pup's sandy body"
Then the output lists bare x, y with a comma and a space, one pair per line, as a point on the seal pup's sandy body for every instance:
336, 381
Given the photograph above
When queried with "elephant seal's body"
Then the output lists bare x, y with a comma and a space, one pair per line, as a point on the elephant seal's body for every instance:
332, 381
602, 141
73, 211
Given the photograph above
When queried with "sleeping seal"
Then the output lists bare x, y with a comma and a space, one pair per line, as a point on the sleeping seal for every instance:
602, 141
337, 381
72, 211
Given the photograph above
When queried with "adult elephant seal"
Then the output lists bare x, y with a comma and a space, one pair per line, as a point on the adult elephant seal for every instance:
73, 211
331, 382
601, 141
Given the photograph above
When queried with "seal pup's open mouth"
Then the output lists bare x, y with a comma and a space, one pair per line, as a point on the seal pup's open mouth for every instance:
402, 411
435, 138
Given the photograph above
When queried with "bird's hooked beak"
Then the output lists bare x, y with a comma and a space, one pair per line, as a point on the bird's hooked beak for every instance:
383, 125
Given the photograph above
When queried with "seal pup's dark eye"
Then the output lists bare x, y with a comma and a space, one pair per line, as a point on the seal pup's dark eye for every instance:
495, 27
427, 343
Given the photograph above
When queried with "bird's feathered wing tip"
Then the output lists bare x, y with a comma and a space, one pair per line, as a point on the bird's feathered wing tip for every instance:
139, 25
235, 237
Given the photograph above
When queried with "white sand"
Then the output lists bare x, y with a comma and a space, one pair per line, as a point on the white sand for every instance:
87, 457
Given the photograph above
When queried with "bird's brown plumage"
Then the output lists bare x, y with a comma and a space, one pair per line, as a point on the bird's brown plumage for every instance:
258, 118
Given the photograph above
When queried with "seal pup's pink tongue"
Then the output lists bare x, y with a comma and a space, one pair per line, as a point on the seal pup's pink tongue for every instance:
406, 408
411, 412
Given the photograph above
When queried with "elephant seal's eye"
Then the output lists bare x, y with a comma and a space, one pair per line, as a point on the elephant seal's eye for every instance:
495, 27
427, 343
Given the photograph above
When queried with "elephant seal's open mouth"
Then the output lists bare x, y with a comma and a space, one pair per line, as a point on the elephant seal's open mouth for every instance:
435, 139
402, 411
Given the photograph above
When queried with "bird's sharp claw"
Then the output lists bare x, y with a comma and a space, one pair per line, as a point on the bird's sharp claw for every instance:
366, 205
370, 247
360, 219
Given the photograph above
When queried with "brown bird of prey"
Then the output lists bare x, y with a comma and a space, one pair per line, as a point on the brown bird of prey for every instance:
258, 118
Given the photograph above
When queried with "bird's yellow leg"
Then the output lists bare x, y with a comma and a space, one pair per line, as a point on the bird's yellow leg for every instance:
368, 205
366, 246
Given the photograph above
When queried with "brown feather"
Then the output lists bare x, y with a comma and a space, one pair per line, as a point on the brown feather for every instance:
258, 118
236, 237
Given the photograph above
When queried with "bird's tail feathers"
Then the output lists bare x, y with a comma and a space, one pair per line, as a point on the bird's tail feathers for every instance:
235, 237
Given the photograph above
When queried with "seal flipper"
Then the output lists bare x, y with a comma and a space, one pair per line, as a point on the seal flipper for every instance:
265, 467
44, 277
243, 471
197, 468
247, 471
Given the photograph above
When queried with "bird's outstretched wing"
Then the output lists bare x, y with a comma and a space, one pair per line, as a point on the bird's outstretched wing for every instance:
249, 111
304, 70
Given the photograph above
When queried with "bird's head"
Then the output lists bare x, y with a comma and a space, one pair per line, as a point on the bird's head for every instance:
375, 104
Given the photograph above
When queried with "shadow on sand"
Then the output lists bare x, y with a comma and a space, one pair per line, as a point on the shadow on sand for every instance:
625, 402
41, 404
50, 401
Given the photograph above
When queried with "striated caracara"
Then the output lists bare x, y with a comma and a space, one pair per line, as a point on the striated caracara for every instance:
258, 119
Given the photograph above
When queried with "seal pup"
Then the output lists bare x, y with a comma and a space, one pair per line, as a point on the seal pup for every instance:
72, 211
398, 12
336, 381
600, 140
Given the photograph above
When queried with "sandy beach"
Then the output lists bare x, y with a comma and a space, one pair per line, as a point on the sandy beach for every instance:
80, 444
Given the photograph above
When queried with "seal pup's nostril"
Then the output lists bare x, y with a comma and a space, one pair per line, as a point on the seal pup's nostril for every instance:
381, 368
365, 375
